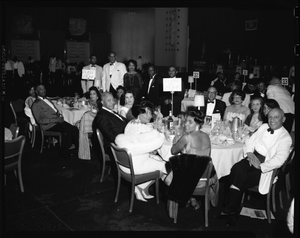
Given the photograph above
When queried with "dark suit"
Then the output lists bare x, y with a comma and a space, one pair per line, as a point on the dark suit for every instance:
155, 92
48, 120
109, 125
220, 107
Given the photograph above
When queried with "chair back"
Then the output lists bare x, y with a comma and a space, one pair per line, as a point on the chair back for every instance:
14, 130
17, 106
14, 147
100, 139
122, 157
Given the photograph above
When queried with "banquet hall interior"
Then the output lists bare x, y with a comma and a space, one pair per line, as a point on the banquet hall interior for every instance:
256, 39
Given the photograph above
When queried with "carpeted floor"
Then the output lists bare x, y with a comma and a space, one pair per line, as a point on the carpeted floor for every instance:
66, 195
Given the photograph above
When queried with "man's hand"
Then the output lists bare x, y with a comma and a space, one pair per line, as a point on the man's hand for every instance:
168, 101
253, 160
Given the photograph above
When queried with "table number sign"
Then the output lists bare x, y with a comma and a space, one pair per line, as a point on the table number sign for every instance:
196, 74
88, 74
172, 84
245, 72
284, 81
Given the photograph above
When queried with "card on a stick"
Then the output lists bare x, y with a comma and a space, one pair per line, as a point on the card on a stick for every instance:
172, 84
88, 74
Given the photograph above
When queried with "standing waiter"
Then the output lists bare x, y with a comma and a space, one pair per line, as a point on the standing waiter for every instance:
87, 83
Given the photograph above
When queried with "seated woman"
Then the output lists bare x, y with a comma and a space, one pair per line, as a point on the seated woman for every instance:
141, 139
28, 102
127, 101
236, 109
120, 90
195, 142
256, 117
94, 97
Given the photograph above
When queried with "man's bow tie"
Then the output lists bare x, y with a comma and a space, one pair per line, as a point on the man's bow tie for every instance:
93, 65
270, 130
111, 63
210, 102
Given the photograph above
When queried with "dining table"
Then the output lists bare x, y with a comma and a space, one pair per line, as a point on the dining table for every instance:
189, 102
223, 156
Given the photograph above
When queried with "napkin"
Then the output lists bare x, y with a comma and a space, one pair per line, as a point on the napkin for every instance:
65, 105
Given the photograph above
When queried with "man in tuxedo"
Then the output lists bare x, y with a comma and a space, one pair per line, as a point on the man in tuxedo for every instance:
113, 73
177, 96
152, 88
267, 149
97, 81
213, 105
107, 121
220, 83
49, 118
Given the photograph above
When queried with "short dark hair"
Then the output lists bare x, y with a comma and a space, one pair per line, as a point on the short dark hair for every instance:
93, 55
197, 115
272, 103
132, 61
112, 52
120, 87
140, 108
237, 92
122, 98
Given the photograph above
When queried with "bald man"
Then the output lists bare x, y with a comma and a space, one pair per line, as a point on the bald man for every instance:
279, 93
267, 149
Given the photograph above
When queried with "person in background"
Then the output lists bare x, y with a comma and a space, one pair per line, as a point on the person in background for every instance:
220, 83
127, 101
52, 68
59, 71
120, 91
267, 149
213, 105
236, 109
177, 96
97, 81
233, 86
141, 139
132, 80
152, 90
269, 104
113, 74
19, 72
94, 97
28, 103
262, 89
49, 118
277, 92
256, 117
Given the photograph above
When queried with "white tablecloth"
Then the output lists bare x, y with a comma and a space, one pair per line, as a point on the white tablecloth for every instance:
223, 156
71, 115
185, 103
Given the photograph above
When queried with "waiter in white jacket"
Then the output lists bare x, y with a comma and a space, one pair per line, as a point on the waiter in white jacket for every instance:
87, 83
267, 149
113, 73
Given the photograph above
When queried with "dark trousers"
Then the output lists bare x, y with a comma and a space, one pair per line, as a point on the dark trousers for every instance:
244, 176
70, 134
113, 91
289, 120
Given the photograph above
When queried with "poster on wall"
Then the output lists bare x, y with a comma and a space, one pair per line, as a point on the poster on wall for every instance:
77, 29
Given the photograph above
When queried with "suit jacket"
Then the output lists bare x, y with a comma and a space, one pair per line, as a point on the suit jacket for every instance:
277, 153
98, 80
220, 107
43, 114
116, 78
109, 125
155, 92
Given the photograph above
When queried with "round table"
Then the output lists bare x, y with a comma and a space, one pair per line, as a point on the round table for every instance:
72, 114
223, 156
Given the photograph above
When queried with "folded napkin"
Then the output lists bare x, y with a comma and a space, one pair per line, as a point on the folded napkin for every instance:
222, 139
65, 105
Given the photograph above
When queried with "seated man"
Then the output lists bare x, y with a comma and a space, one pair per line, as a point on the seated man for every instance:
49, 119
107, 121
213, 105
266, 149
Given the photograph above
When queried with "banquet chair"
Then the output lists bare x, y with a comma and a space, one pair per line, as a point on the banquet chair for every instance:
268, 195
17, 108
123, 158
105, 157
50, 135
285, 172
14, 130
206, 172
13, 156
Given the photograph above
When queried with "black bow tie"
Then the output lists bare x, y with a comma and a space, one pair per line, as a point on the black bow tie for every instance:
210, 102
93, 65
270, 130
111, 63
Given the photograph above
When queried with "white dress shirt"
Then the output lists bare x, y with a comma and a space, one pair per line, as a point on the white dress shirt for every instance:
111, 68
210, 108
49, 103
150, 82
112, 112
